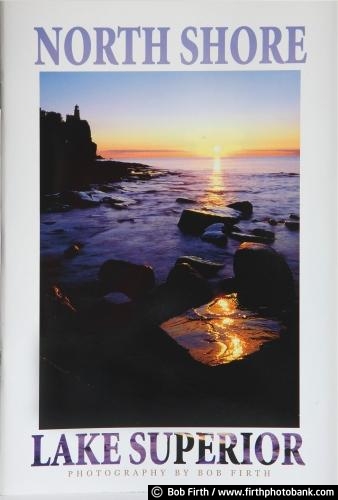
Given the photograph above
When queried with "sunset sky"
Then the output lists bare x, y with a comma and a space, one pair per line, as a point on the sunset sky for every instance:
182, 114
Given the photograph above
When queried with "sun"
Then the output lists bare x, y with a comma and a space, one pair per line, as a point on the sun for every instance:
217, 150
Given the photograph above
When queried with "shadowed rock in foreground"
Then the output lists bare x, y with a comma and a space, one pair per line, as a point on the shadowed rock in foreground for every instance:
263, 276
122, 276
105, 362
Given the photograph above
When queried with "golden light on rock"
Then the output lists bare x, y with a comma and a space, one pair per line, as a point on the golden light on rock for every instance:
220, 332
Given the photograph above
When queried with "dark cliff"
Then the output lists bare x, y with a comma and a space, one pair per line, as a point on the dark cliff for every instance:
67, 152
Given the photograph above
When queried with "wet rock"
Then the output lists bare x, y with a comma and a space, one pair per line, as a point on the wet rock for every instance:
272, 222
294, 217
62, 300
263, 276
105, 188
126, 220
80, 199
207, 268
256, 232
185, 201
116, 298
184, 279
196, 221
218, 226
245, 207
119, 206
250, 237
144, 176
292, 224
72, 251
221, 332
216, 237
126, 277
107, 200
115, 203
269, 235
230, 214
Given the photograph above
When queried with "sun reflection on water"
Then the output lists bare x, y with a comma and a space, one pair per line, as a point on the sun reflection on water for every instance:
213, 196
216, 166
220, 332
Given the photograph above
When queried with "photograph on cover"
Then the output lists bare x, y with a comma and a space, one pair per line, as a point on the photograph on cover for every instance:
169, 249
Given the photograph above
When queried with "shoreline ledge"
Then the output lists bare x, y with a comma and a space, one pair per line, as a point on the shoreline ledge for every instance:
94, 186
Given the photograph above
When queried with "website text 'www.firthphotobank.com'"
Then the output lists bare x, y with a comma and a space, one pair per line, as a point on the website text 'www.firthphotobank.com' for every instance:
186, 491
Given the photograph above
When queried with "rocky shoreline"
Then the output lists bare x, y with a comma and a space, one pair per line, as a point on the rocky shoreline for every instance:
105, 357
99, 186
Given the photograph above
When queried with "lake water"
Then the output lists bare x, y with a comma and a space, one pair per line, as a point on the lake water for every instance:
146, 232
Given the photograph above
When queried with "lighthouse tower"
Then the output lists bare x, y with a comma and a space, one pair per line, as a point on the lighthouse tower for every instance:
77, 112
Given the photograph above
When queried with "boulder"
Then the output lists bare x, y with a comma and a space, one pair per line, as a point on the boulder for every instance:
196, 221
292, 224
245, 207
116, 298
207, 268
216, 237
270, 235
185, 288
131, 279
218, 226
294, 217
188, 282
115, 203
250, 237
72, 251
263, 277
272, 222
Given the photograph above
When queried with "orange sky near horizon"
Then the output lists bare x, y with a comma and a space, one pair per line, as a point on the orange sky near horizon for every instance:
238, 137
195, 143
251, 153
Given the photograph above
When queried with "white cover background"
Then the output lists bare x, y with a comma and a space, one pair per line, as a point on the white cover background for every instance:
20, 287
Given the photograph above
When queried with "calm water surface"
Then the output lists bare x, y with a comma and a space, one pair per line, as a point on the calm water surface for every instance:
146, 232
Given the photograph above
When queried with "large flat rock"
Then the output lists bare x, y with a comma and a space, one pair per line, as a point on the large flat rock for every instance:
196, 221
220, 332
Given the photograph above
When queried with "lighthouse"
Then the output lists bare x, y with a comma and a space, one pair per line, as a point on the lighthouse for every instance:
77, 112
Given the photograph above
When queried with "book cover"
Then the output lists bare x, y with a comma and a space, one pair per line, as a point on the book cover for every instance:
169, 282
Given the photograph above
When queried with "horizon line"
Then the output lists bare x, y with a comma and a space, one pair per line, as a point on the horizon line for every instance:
172, 153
